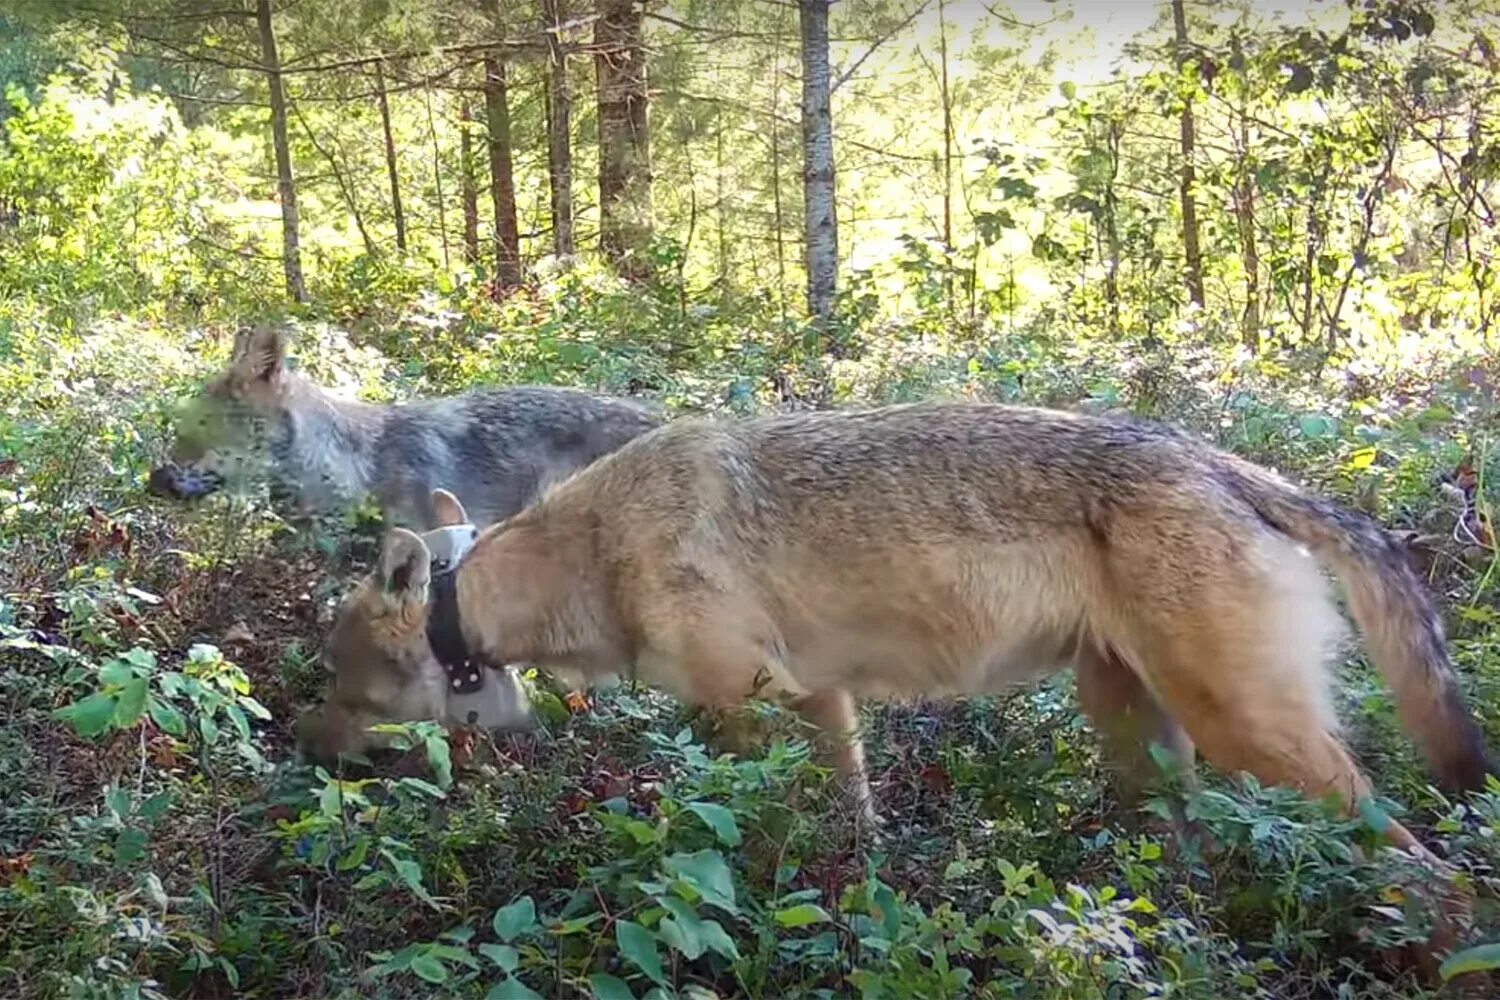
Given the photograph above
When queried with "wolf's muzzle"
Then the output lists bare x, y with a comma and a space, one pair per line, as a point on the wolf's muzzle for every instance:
179, 483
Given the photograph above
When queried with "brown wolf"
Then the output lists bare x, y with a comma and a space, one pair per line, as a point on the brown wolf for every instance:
938, 549
497, 449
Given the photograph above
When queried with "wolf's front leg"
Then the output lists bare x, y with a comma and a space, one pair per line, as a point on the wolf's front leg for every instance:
835, 713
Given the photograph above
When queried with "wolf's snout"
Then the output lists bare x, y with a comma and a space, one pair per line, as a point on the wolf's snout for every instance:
179, 483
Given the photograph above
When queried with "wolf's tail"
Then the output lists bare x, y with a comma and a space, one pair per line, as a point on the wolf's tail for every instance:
1392, 608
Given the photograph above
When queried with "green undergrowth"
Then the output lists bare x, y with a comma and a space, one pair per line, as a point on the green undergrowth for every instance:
157, 838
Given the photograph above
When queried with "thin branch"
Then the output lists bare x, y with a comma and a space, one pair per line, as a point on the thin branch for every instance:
236, 13
528, 45
710, 34
844, 76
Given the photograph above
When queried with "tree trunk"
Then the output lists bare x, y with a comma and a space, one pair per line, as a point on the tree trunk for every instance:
1190, 246
559, 130
720, 197
437, 178
1112, 235
468, 184
624, 142
1244, 210
821, 220
390, 158
286, 188
780, 212
947, 157
502, 174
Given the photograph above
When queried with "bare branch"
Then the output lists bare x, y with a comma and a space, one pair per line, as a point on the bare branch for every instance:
854, 67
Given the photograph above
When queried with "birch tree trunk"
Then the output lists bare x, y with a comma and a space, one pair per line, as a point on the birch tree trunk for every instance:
821, 236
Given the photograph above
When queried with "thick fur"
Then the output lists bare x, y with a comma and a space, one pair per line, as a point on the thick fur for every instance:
952, 549
497, 449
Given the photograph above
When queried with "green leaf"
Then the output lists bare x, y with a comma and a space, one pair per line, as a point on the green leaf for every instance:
241, 724
1373, 815
503, 955
354, 856
607, 987
512, 989
642, 832
115, 673
255, 708
331, 801
429, 968
515, 919
576, 925
639, 945
707, 873
130, 846
682, 936
156, 806
450, 953
425, 787
142, 659
719, 819
230, 972
132, 704
549, 708
1068, 89
440, 760
719, 940
90, 716
690, 934
410, 872
1481, 958
1314, 426
802, 915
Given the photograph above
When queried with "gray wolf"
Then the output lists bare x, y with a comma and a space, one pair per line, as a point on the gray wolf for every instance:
497, 449
940, 549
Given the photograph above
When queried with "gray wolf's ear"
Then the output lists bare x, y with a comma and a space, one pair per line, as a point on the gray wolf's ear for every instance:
405, 567
448, 510
264, 355
241, 343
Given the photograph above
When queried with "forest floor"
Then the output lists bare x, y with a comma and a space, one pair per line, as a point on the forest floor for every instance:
158, 837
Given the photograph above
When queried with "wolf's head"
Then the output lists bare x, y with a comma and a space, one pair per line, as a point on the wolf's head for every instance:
384, 666
224, 427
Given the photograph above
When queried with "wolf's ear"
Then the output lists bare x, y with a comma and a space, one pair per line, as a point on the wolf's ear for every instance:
448, 510
263, 355
241, 342
405, 567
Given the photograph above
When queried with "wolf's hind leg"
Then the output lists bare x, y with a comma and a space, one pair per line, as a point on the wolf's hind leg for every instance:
1244, 672
1129, 719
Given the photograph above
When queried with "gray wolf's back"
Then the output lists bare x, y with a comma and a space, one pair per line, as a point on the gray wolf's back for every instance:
498, 449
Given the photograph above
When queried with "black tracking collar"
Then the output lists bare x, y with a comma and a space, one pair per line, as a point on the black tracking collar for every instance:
446, 637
